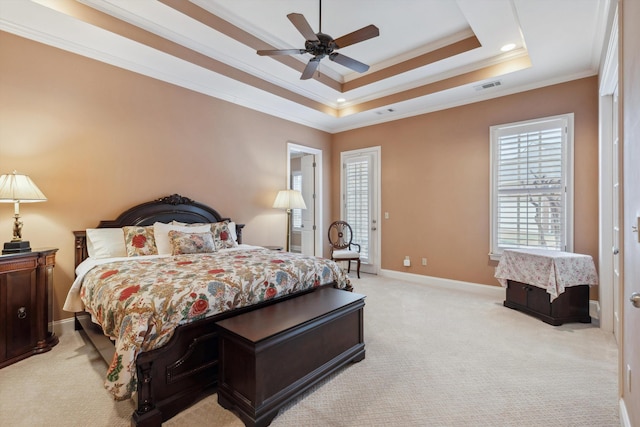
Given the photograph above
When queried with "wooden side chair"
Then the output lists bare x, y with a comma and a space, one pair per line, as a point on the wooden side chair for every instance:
342, 246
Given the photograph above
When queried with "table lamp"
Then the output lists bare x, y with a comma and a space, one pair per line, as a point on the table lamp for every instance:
16, 189
289, 199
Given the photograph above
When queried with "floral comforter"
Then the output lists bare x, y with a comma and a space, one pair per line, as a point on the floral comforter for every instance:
139, 302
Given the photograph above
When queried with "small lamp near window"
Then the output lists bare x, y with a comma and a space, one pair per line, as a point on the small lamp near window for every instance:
289, 199
16, 189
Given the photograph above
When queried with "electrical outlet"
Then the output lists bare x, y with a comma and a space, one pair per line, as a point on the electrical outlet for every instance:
424, 261
407, 261
386, 215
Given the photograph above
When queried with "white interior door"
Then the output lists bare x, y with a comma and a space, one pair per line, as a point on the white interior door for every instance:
307, 229
630, 299
615, 232
630, 215
360, 208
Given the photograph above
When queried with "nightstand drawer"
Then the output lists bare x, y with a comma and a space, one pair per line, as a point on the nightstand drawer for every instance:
26, 281
21, 310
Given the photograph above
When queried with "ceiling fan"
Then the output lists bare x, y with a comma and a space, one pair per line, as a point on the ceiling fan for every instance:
320, 45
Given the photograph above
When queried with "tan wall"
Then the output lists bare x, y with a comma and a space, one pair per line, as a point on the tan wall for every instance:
435, 179
97, 140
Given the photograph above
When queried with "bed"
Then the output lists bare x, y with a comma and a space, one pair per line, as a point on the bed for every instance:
168, 358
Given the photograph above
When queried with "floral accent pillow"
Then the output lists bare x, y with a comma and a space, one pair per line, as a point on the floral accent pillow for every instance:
222, 235
161, 234
139, 240
191, 243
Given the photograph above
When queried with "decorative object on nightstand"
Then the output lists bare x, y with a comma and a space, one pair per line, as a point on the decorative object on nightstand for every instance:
26, 287
289, 199
16, 188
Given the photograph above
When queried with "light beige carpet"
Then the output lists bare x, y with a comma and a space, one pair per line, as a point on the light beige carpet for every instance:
435, 357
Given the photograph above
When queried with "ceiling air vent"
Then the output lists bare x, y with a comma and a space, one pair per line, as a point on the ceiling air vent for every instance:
488, 85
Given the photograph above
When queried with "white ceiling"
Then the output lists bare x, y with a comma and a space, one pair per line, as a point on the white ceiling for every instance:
183, 42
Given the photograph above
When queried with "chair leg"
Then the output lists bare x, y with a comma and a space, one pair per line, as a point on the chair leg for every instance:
358, 268
348, 266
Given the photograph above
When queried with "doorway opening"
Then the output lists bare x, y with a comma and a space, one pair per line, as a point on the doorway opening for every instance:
304, 172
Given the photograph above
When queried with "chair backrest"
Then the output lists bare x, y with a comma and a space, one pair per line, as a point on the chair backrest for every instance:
340, 235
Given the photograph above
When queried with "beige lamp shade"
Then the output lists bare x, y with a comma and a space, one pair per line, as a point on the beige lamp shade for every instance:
19, 188
289, 199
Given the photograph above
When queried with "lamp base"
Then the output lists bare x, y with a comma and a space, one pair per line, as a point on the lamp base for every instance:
16, 247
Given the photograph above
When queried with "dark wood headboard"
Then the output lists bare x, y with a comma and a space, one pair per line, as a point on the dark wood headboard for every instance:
165, 209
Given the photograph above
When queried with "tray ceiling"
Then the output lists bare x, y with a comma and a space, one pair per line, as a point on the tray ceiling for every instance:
430, 54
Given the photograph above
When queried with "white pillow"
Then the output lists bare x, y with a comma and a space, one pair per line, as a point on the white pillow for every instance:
105, 243
161, 234
232, 230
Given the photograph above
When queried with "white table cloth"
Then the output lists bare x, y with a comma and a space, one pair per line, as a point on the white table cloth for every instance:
550, 270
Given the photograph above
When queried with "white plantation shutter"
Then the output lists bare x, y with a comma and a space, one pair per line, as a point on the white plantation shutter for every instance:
531, 184
357, 199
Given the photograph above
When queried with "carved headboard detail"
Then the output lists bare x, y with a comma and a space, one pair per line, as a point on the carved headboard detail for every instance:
165, 209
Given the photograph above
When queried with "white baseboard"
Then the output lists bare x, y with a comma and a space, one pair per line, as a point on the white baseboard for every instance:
64, 326
494, 291
625, 421
594, 309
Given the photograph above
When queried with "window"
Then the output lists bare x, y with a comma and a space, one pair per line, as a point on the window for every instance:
296, 214
532, 185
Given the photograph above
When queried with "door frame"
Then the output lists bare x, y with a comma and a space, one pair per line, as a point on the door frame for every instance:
608, 85
318, 190
377, 206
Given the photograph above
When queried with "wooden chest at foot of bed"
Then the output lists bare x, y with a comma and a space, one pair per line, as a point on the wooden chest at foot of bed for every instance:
272, 355
570, 306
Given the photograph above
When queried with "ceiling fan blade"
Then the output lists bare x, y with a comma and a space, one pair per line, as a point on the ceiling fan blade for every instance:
280, 52
348, 62
311, 67
364, 33
301, 24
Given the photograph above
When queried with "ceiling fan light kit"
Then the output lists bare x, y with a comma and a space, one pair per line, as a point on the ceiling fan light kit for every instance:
320, 45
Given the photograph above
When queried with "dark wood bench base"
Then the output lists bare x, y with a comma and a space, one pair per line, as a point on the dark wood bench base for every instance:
272, 355
570, 306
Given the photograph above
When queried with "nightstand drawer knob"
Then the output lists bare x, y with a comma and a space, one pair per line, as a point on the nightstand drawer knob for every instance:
22, 312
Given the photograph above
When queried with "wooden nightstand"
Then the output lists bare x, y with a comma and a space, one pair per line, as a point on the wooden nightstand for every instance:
26, 283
